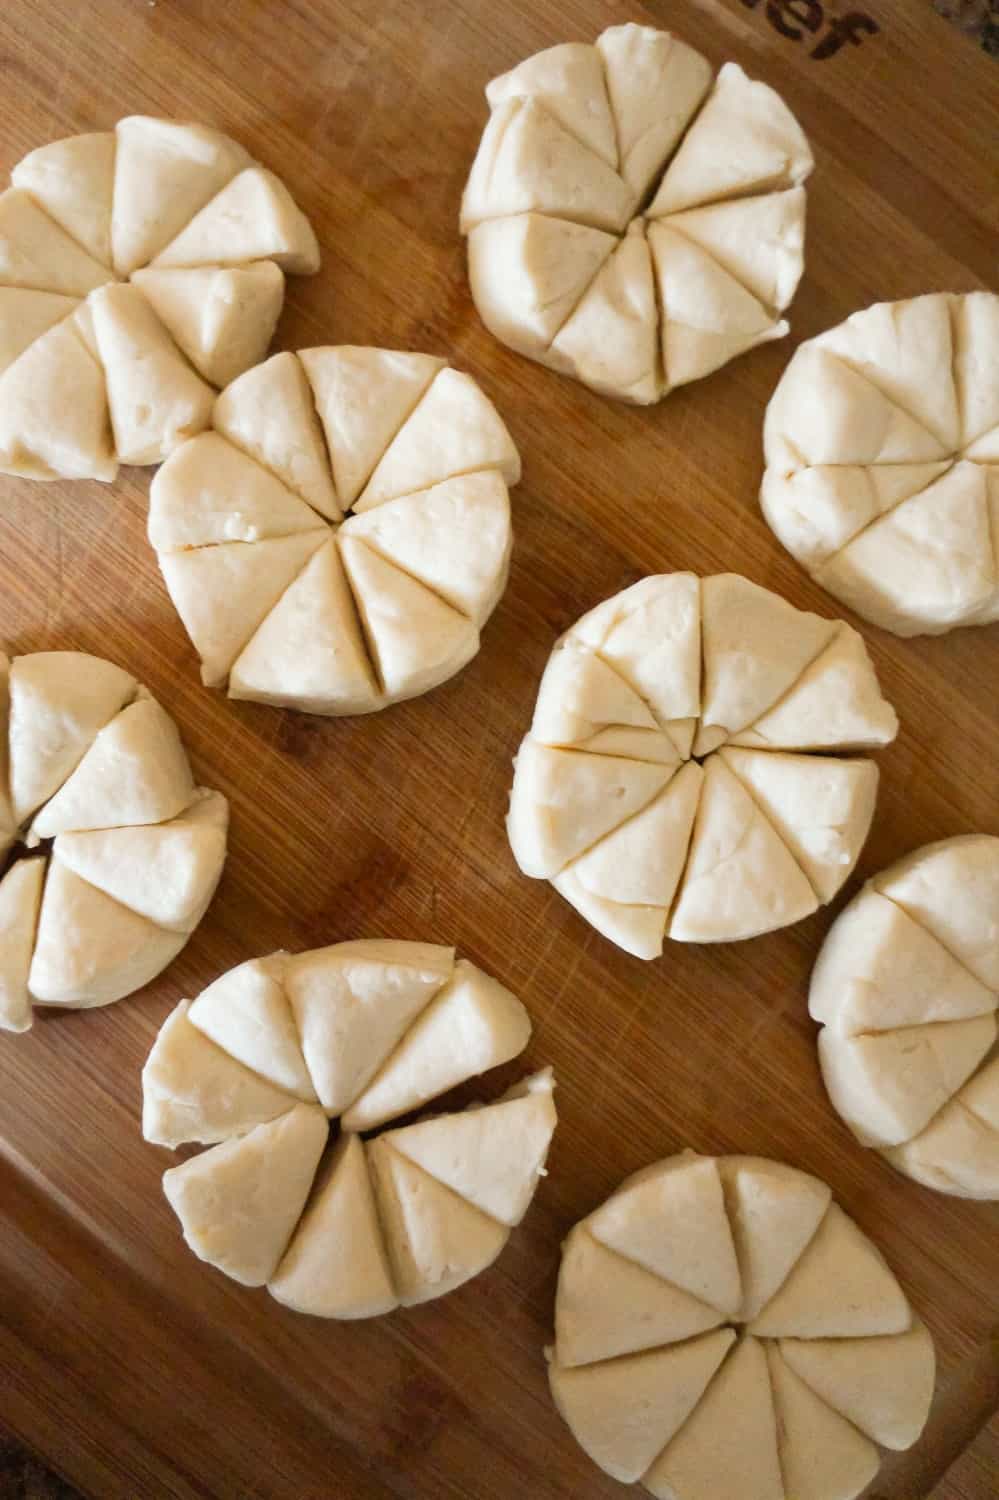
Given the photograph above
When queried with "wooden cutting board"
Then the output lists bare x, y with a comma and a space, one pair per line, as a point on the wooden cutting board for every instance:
134, 1369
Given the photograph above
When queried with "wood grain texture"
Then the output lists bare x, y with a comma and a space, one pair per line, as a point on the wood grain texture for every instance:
134, 1369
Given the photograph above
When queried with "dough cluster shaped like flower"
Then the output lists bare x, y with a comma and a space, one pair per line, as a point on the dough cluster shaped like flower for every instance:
364, 1032
723, 1315
631, 220
338, 540
686, 774
141, 268
906, 987
90, 761
882, 454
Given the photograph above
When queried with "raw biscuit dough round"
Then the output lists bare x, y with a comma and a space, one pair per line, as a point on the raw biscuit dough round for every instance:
631, 220
684, 773
141, 268
363, 1031
723, 1328
906, 987
91, 762
339, 539
882, 462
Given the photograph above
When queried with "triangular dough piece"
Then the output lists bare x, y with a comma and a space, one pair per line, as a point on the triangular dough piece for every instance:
492, 1155
569, 81
155, 397
822, 1457
247, 1014
905, 349
193, 1091
136, 771
165, 871
164, 173
835, 704
641, 861
756, 646
25, 316
527, 162
456, 538
888, 1085
878, 969
925, 566
223, 593
610, 341
436, 1241
773, 1210
606, 1305
840, 1288
222, 317
352, 1003
651, 634
59, 700
623, 1412
454, 430
269, 413
955, 1154
975, 326
825, 412
760, 241
670, 1219
364, 397
882, 1385
20, 899
54, 418
741, 879
707, 316
336, 1265
745, 140
73, 180
563, 801
655, 83
309, 652
821, 806
958, 1152
238, 1203
581, 695
952, 889
416, 640
816, 511
731, 1432
90, 950
35, 253
527, 272
254, 217
209, 491
471, 1025
639, 930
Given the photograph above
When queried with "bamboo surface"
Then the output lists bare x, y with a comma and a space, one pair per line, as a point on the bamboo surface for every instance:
135, 1370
